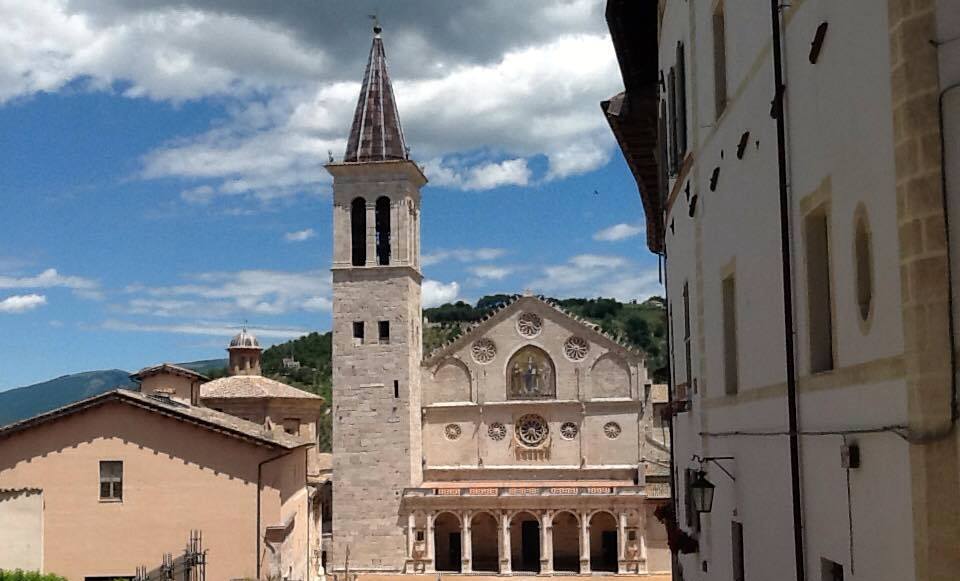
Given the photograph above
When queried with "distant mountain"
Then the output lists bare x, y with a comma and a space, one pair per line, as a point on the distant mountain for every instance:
24, 402
205, 365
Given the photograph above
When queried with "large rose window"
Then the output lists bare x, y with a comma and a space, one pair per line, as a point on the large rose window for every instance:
530, 375
532, 430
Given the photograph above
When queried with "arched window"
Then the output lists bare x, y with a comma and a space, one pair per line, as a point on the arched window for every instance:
358, 231
531, 375
864, 264
383, 230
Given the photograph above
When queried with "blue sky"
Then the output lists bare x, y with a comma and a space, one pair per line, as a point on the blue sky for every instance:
162, 181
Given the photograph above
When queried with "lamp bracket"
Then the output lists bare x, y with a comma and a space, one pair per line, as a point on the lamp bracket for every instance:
715, 459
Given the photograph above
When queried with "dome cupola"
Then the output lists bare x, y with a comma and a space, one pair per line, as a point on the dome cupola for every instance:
245, 353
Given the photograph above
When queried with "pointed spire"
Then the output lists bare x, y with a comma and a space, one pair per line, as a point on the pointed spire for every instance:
376, 134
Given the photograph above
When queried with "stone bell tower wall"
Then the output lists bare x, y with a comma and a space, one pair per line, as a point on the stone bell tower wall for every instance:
376, 368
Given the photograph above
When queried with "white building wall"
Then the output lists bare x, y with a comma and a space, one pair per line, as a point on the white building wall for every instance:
21, 530
840, 148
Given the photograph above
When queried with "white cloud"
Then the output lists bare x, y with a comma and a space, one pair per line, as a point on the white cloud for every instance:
47, 279
524, 82
539, 100
593, 275
437, 293
21, 303
245, 292
300, 235
486, 176
490, 272
617, 232
225, 330
462, 255
170, 53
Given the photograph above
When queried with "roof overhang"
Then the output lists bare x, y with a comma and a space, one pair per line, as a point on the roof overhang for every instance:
632, 114
169, 369
234, 427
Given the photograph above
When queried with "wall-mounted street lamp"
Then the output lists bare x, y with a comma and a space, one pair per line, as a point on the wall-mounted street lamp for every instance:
701, 489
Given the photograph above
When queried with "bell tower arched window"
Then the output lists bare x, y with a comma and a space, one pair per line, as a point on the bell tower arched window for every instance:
383, 230
358, 231
531, 375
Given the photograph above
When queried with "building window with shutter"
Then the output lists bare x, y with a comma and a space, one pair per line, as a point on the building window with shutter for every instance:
819, 295
687, 354
111, 480
672, 119
719, 59
736, 543
731, 362
681, 84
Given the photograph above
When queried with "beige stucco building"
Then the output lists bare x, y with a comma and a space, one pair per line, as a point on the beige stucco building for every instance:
97, 488
798, 166
524, 446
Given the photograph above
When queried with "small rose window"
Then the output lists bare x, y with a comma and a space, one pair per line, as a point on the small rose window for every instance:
497, 431
612, 430
569, 430
529, 325
483, 350
452, 431
576, 348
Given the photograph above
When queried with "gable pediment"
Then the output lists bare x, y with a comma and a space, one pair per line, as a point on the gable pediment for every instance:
532, 320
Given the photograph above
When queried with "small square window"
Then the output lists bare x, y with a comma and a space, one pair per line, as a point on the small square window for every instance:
358, 332
419, 535
383, 327
111, 480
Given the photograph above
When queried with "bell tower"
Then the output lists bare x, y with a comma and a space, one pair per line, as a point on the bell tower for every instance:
376, 330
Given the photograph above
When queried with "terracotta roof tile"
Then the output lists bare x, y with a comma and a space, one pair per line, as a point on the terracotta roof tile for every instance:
251, 386
201, 416
168, 368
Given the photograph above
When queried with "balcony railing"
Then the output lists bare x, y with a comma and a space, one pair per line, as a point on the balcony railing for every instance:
527, 491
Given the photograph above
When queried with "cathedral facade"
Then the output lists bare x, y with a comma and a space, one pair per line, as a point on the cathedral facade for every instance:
529, 444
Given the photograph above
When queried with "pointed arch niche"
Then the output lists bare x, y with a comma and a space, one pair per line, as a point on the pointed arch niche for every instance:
610, 377
531, 374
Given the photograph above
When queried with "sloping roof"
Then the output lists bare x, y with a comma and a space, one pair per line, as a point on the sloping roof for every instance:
632, 114
376, 134
199, 416
505, 310
168, 368
251, 386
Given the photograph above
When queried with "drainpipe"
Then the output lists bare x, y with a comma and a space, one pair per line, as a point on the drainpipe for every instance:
954, 403
259, 488
788, 323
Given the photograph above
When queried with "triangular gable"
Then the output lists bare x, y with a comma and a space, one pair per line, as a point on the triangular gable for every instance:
591, 330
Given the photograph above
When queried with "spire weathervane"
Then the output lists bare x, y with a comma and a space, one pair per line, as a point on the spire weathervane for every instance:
375, 134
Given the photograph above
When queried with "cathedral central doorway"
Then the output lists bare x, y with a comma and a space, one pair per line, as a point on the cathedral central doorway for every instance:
447, 543
525, 542
486, 553
566, 543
